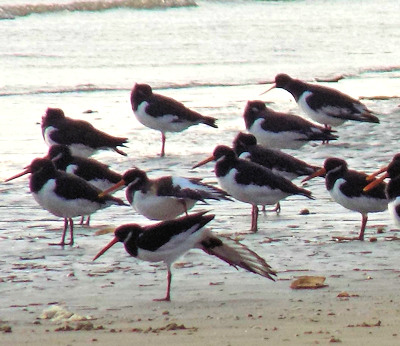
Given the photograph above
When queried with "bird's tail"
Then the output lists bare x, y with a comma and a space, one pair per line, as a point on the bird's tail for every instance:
306, 193
367, 116
210, 121
195, 189
237, 255
208, 191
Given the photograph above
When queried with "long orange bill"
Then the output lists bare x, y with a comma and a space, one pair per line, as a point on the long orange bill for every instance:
201, 163
26, 171
376, 182
318, 173
117, 186
110, 244
373, 175
272, 87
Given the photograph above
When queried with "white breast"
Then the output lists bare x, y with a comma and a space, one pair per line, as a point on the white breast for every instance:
253, 194
319, 116
363, 204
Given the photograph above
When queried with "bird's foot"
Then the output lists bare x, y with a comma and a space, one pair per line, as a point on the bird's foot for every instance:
166, 299
347, 238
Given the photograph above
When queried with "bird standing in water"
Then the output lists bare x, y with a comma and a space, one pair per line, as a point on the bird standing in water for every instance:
163, 113
324, 105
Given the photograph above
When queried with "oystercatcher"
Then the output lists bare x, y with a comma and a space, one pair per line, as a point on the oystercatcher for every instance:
392, 188
346, 187
164, 113
93, 171
64, 195
322, 104
168, 240
281, 130
250, 182
166, 197
246, 147
79, 135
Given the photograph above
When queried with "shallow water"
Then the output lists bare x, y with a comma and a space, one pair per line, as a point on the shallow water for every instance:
214, 58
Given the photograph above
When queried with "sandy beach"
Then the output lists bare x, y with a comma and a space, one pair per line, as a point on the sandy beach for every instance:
60, 297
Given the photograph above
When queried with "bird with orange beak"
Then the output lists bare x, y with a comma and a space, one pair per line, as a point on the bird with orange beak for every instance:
346, 187
250, 182
391, 171
168, 240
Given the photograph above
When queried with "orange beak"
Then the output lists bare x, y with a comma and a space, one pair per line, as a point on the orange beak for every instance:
318, 173
26, 171
201, 163
110, 244
117, 186
373, 175
376, 182
272, 87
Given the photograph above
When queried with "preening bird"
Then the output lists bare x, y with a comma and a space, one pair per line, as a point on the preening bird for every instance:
166, 197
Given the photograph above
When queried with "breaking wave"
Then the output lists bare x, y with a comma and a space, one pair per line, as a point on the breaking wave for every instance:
20, 10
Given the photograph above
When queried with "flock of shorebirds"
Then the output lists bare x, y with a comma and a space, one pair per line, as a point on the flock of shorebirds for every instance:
68, 183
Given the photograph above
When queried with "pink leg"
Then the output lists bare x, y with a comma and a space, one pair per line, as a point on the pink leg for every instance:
254, 218
363, 224
62, 243
162, 144
71, 231
168, 296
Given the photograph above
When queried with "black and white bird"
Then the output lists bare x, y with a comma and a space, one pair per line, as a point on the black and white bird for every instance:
393, 186
246, 147
94, 172
168, 240
282, 130
346, 187
324, 105
163, 113
166, 197
80, 136
249, 182
63, 194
